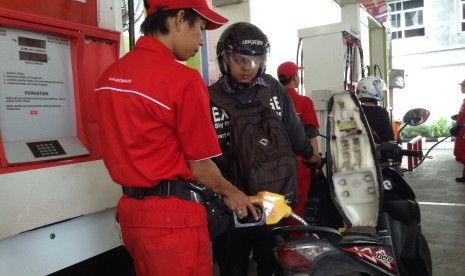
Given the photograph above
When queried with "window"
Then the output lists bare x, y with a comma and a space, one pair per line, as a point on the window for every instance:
407, 19
462, 13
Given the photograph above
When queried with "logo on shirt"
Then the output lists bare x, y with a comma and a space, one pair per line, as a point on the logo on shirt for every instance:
222, 122
274, 104
119, 80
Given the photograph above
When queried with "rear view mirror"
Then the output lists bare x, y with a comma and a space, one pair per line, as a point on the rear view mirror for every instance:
416, 116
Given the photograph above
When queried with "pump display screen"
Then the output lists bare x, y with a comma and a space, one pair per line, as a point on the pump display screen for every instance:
36, 90
33, 43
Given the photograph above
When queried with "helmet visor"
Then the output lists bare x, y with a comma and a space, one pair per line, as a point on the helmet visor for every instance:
244, 60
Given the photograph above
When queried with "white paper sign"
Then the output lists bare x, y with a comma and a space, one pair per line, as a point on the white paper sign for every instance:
36, 86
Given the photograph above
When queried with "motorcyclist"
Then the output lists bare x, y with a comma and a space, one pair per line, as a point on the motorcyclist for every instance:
242, 50
370, 90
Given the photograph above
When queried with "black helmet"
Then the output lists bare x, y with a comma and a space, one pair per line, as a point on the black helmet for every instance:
243, 38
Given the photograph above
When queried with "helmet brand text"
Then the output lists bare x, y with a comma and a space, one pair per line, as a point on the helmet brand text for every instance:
252, 42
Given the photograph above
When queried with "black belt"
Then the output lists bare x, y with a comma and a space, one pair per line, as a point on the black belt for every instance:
164, 188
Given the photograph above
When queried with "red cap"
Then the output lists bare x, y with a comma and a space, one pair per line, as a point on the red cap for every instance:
287, 70
214, 20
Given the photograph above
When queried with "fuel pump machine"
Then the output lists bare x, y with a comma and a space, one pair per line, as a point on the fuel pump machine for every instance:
56, 197
333, 58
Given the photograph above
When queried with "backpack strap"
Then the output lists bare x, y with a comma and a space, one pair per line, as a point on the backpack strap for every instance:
220, 98
264, 92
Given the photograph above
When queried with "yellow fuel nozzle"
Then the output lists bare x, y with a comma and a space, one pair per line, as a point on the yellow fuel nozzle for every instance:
274, 206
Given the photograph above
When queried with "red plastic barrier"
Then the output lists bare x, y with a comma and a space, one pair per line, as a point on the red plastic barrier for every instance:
414, 144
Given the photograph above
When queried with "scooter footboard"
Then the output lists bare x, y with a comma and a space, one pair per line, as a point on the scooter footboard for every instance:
410, 247
404, 210
415, 256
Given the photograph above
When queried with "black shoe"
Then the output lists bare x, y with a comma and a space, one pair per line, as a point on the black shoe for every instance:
460, 179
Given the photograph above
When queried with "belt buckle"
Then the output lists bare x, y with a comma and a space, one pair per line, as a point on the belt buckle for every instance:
165, 188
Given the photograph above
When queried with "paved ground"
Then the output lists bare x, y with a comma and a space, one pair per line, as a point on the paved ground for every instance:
442, 203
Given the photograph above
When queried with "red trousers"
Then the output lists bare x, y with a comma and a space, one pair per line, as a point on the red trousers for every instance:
304, 185
166, 236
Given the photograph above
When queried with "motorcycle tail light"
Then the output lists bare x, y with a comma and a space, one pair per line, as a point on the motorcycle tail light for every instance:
299, 258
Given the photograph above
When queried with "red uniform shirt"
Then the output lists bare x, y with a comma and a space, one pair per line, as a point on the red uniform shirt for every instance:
304, 107
155, 116
459, 146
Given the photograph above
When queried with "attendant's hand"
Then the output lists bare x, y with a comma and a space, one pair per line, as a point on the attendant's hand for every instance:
239, 203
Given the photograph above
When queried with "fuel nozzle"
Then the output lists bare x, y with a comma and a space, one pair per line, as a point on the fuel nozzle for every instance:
274, 206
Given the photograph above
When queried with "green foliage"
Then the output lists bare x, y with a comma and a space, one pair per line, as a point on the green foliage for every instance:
413, 131
440, 128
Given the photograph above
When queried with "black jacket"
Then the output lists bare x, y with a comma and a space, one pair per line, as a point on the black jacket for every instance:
279, 102
380, 123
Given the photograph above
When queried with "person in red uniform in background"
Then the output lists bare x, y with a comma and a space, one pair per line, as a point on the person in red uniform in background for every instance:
289, 77
459, 144
157, 134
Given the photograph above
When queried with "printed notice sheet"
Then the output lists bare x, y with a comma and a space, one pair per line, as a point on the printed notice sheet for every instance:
36, 86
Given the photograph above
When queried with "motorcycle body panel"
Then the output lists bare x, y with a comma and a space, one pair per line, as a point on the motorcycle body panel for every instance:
350, 254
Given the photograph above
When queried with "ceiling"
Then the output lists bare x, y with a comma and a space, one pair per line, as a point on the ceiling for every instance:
377, 8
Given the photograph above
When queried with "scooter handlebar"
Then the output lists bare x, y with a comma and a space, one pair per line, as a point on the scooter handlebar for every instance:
392, 151
412, 153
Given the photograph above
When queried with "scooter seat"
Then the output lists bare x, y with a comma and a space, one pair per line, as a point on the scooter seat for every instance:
359, 237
